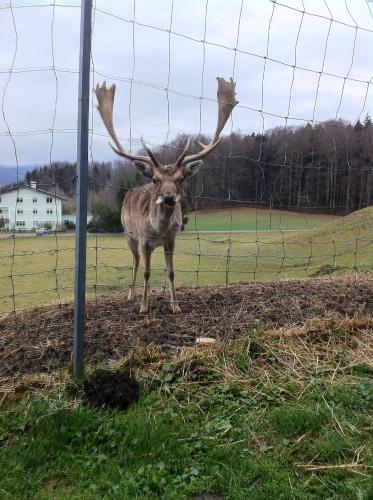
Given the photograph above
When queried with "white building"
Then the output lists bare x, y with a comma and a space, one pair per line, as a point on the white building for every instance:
27, 208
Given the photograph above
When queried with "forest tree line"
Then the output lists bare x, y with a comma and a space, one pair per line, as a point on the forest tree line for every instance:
319, 168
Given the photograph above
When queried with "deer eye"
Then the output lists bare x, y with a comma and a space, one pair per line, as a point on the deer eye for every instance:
179, 179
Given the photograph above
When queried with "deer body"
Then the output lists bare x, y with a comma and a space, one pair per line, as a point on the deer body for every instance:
156, 223
150, 225
151, 214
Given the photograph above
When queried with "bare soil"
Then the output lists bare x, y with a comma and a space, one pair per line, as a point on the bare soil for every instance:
40, 340
111, 389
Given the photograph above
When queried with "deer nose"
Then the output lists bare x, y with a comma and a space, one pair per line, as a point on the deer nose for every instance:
169, 198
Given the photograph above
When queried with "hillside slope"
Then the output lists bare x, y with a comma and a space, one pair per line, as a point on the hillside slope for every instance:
345, 243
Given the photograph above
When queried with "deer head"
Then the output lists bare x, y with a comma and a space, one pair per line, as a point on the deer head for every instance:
168, 179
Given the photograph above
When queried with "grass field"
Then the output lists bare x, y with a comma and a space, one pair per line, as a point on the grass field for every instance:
41, 270
275, 415
253, 219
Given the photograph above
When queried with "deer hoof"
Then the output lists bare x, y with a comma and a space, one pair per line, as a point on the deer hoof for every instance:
175, 308
130, 296
144, 308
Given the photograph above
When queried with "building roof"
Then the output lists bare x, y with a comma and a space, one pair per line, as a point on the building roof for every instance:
25, 186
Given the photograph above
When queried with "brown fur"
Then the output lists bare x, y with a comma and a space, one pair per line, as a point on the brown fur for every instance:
152, 225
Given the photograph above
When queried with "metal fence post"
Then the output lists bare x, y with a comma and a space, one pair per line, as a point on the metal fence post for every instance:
81, 188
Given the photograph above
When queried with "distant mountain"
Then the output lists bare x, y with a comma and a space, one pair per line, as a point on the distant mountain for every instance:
8, 173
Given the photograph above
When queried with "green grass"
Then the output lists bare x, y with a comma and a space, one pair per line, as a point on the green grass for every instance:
253, 219
200, 259
227, 428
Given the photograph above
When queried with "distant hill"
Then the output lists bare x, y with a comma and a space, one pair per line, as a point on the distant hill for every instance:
344, 244
8, 173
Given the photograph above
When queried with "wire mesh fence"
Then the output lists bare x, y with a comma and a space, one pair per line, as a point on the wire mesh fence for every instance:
287, 194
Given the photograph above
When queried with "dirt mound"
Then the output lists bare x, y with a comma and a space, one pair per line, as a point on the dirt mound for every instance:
111, 389
40, 340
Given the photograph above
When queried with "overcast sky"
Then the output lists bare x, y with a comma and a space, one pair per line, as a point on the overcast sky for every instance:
170, 72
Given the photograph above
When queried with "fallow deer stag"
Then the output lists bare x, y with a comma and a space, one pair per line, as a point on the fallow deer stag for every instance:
151, 213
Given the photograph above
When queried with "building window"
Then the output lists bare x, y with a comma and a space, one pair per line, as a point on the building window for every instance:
49, 200
1, 210
34, 200
34, 211
49, 211
19, 200
20, 211
20, 223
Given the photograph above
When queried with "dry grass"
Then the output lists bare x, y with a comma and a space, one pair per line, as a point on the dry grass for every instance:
40, 340
320, 342
322, 346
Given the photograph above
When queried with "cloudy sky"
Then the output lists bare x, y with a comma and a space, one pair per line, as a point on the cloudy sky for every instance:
290, 67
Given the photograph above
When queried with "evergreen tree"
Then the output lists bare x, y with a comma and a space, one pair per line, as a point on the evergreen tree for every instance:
367, 121
124, 185
358, 127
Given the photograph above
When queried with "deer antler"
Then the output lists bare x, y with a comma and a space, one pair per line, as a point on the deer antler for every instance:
183, 154
226, 102
105, 98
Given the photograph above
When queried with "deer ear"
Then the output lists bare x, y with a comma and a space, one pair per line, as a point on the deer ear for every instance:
191, 168
144, 169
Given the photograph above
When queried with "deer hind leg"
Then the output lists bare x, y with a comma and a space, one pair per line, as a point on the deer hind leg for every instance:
169, 248
147, 255
134, 247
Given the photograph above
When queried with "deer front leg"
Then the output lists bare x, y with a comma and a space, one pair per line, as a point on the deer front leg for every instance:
147, 255
133, 244
169, 248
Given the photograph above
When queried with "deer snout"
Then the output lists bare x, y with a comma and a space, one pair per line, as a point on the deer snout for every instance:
169, 198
